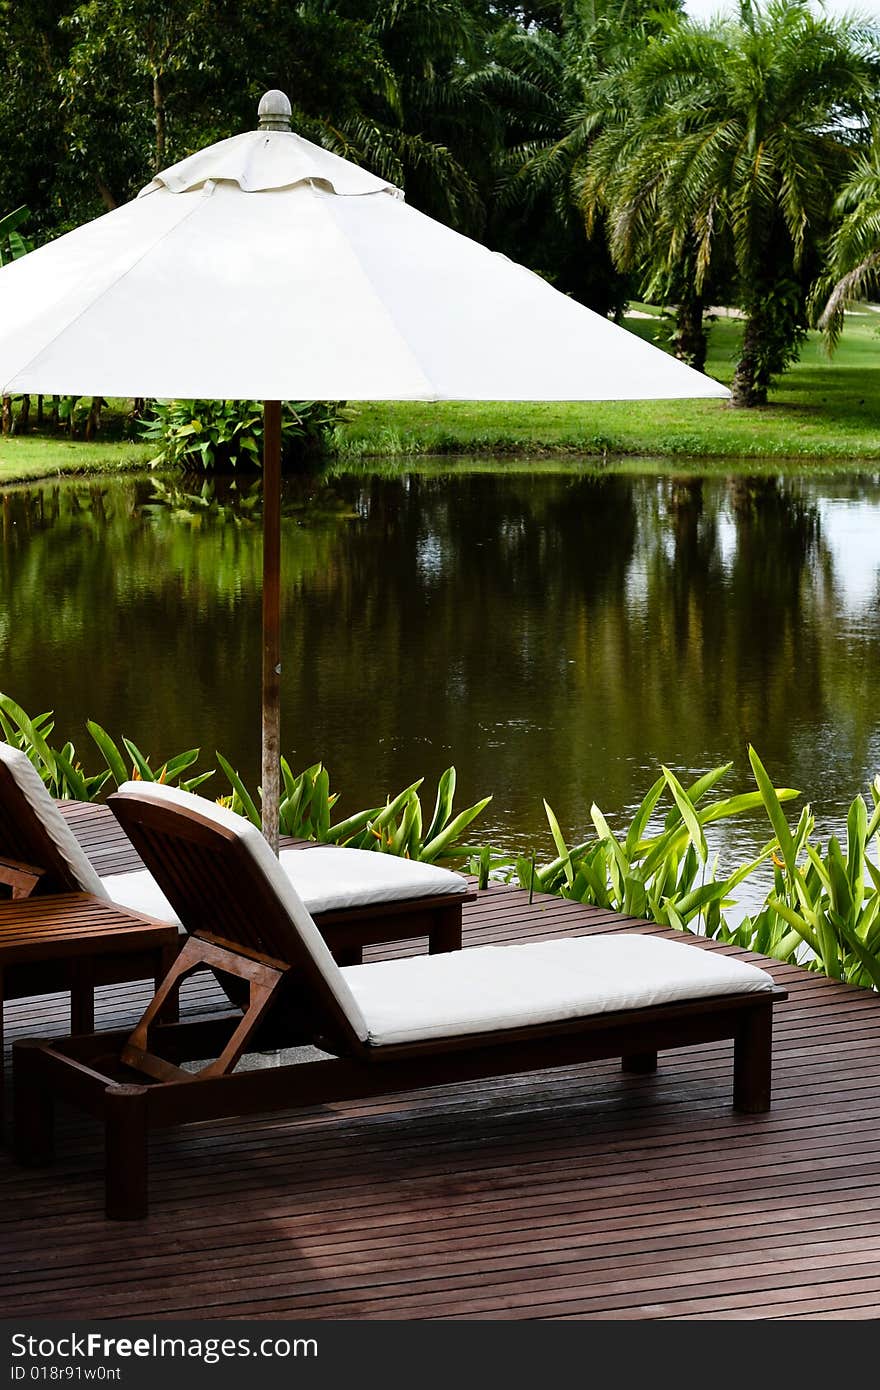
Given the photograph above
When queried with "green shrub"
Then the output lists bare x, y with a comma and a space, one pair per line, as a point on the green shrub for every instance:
828, 899
665, 874
222, 435
397, 827
12, 243
823, 910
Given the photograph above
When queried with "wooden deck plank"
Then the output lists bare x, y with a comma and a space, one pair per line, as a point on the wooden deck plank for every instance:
580, 1193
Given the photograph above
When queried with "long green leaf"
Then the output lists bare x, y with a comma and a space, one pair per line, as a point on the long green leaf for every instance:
736, 805
240, 790
774, 810
697, 790
856, 846
869, 962
109, 752
179, 763
443, 804
642, 816
389, 812
800, 925
559, 842
192, 783
443, 845
353, 825
11, 220
619, 857
321, 804
140, 760
688, 814
76, 783
31, 731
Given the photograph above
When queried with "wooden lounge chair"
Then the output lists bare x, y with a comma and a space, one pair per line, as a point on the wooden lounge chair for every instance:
391, 1026
354, 894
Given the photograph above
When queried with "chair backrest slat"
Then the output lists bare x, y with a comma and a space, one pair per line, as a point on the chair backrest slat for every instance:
221, 878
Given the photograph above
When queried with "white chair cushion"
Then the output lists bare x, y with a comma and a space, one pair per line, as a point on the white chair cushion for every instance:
265, 862
491, 987
140, 892
330, 879
30, 785
327, 880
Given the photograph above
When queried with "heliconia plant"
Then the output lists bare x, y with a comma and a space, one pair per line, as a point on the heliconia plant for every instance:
665, 873
828, 900
822, 912
64, 774
397, 827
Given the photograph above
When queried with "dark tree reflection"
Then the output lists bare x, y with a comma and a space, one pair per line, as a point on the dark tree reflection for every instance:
552, 634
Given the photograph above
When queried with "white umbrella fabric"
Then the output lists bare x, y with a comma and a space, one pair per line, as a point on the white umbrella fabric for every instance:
264, 267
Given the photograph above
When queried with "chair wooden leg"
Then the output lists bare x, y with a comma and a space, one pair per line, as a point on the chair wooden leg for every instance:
126, 1140
82, 1007
445, 934
752, 1061
639, 1062
34, 1108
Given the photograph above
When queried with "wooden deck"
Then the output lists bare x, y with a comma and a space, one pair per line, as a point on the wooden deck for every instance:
582, 1193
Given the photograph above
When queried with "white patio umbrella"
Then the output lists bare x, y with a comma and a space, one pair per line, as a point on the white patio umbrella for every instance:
266, 268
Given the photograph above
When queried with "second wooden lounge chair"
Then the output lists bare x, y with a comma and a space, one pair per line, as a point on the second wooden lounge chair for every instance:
358, 896
390, 1026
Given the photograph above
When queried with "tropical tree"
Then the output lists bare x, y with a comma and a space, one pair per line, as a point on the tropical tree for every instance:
552, 77
732, 141
12, 245
428, 128
623, 185
30, 120
146, 81
853, 269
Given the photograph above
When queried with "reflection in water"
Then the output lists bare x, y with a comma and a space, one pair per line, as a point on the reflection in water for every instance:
553, 634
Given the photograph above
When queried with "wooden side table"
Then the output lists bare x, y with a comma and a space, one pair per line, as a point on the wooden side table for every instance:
74, 941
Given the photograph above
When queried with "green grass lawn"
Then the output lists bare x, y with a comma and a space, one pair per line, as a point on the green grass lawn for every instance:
45, 456
822, 410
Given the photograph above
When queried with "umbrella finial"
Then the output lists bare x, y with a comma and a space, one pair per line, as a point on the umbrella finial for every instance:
274, 111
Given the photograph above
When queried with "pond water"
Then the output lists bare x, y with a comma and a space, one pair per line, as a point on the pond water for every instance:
554, 633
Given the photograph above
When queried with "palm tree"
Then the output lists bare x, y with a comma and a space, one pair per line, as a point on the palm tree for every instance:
732, 140
410, 113
552, 81
853, 271
622, 184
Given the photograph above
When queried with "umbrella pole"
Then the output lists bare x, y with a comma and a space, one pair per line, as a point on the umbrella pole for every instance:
271, 740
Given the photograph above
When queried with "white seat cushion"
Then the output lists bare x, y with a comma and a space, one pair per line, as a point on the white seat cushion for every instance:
327, 880
142, 894
492, 987
330, 879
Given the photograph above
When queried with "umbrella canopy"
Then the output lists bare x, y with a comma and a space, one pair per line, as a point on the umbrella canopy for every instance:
265, 267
